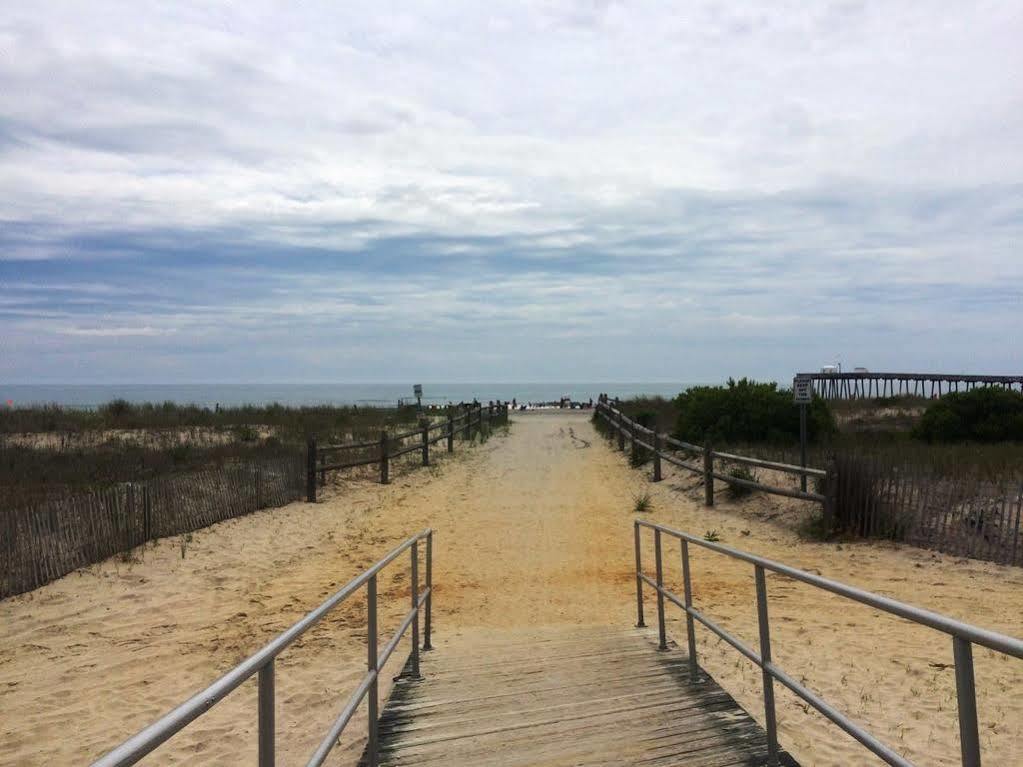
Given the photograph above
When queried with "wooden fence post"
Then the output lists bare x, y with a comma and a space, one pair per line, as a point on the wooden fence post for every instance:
621, 431
384, 459
310, 469
708, 476
657, 456
830, 489
451, 430
426, 441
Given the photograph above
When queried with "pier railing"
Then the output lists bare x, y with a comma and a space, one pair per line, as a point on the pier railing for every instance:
262, 664
863, 384
963, 635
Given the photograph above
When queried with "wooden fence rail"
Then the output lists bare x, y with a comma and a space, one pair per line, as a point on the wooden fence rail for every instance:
859, 494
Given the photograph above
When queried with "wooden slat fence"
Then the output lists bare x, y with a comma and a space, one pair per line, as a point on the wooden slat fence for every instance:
43, 542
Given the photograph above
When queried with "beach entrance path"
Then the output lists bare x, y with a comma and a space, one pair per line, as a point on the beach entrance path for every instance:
533, 533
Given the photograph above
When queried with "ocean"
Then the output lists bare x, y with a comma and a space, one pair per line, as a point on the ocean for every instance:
368, 394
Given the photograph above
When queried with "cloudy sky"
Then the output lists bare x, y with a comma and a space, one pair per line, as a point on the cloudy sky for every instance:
324, 191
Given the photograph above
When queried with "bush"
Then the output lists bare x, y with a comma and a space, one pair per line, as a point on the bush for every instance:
743, 473
989, 414
747, 411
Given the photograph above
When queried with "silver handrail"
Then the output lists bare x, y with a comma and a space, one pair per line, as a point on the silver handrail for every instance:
262, 663
964, 636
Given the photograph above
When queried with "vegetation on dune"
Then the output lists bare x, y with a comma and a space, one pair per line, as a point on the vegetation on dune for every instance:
323, 421
986, 415
746, 411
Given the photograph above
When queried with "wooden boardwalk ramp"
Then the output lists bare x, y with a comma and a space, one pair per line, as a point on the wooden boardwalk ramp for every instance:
564, 696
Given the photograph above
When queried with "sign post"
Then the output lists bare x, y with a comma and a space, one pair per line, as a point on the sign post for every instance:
802, 395
417, 389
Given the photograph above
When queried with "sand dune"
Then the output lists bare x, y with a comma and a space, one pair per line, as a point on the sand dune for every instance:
532, 529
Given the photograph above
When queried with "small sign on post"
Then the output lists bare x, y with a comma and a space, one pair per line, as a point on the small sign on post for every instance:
802, 395
802, 390
417, 390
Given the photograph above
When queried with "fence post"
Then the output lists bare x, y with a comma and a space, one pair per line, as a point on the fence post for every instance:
467, 428
426, 441
639, 581
267, 726
429, 592
687, 584
661, 633
632, 442
451, 430
415, 609
966, 697
765, 656
385, 477
310, 476
371, 664
621, 431
830, 492
657, 456
708, 476
147, 512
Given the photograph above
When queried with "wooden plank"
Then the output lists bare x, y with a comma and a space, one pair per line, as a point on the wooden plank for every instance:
588, 697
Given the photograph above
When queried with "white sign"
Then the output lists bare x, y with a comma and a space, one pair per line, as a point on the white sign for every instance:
802, 390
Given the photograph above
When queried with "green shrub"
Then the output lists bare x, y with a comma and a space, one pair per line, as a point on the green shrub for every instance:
989, 414
747, 411
743, 473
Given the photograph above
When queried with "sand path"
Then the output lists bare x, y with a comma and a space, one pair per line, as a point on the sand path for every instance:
532, 528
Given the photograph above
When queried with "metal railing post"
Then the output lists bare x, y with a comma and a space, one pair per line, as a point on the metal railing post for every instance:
708, 476
310, 476
662, 634
639, 580
687, 584
372, 746
426, 442
385, 460
966, 697
770, 721
657, 456
451, 431
267, 756
429, 592
415, 609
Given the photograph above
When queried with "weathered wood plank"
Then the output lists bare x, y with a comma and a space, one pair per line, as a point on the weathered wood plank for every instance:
586, 697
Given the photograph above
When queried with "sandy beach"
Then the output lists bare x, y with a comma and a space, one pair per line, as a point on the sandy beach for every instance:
532, 528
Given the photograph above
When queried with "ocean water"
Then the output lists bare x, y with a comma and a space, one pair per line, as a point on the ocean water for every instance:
370, 394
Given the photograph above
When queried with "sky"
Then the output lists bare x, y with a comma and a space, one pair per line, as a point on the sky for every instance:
536, 191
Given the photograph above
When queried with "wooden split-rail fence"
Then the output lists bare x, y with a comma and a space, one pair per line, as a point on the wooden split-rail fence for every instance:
473, 420
45, 541
861, 495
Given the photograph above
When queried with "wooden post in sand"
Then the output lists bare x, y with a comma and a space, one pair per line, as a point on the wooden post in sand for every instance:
384, 460
708, 476
621, 431
657, 455
425, 425
310, 475
451, 430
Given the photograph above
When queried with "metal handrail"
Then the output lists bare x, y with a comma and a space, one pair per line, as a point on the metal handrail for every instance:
262, 663
964, 636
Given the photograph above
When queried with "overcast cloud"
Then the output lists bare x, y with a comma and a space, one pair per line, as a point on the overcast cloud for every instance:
327, 191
